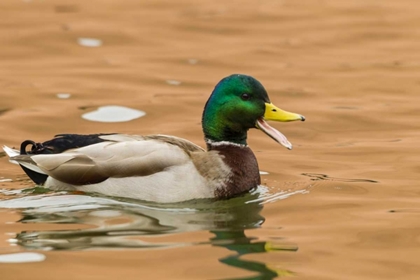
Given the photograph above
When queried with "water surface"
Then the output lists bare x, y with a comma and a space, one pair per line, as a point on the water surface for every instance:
343, 204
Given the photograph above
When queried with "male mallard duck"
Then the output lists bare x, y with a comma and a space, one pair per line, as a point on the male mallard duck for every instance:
164, 168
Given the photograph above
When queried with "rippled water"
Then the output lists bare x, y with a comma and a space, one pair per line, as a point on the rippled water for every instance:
343, 204
120, 223
113, 223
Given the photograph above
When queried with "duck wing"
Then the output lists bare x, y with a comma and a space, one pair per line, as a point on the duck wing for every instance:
117, 155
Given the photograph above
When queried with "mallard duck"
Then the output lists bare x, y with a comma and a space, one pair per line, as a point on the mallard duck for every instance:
163, 168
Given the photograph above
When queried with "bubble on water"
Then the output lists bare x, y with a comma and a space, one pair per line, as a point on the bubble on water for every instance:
113, 114
89, 42
22, 258
5, 180
63, 95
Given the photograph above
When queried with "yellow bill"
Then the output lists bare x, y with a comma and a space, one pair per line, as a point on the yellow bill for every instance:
273, 113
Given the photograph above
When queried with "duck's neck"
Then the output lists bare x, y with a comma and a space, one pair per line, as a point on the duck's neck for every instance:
225, 134
243, 165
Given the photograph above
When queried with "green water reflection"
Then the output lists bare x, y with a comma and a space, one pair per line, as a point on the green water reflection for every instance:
242, 245
127, 224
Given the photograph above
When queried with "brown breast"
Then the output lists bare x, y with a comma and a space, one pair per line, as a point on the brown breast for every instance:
244, 169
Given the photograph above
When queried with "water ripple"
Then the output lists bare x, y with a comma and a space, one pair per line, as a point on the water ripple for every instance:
324, 177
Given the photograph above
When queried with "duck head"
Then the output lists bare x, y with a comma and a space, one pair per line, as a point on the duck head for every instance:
239, 103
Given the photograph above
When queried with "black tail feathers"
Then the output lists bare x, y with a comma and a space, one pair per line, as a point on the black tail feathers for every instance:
37, 148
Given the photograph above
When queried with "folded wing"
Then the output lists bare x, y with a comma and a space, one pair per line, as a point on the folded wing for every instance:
132, 156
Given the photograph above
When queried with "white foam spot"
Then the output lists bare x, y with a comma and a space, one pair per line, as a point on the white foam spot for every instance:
63, 95
113, 114
5, 180
264, 173
267, 197
173, 82
89, 42
22, 258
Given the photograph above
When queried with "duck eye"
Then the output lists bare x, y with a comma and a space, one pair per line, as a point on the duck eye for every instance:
245, 96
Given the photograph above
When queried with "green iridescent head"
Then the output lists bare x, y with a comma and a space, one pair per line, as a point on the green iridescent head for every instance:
235, 104
238, 103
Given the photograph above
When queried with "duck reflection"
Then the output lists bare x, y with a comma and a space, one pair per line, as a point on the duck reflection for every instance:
242, 245
127, 224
